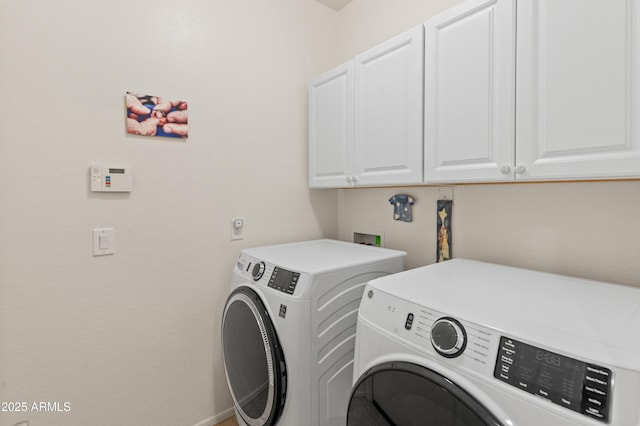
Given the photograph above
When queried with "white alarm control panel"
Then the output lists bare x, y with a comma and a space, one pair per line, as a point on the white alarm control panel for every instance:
111, 179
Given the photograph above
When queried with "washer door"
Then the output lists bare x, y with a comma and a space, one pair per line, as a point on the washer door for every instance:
405, 394
253, 359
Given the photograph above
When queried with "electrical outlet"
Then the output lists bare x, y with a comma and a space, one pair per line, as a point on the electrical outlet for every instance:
237, 228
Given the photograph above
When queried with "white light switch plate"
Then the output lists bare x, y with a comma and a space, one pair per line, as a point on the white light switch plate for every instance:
103, 241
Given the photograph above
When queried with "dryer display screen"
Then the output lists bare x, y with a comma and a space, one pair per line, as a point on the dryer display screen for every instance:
565, 381
284, 280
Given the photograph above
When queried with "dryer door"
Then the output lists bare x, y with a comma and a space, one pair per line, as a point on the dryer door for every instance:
405, 394
253, 359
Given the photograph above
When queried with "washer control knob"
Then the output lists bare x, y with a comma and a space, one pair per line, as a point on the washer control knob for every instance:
448, 337
258, 271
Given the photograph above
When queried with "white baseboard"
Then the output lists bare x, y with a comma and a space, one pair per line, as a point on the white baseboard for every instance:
217, 418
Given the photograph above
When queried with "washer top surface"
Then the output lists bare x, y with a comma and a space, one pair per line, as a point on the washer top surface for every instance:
506, 297
318, 256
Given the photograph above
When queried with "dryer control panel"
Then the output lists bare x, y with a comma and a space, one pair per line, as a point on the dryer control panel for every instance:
284, 280
276, 277
568, 382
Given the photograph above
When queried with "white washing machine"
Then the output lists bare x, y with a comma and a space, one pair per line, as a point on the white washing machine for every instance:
468, 343
288, 329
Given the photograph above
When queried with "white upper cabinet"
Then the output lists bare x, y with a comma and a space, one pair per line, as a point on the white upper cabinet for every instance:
331, 127
562, 103
365, 117
578, 89
469, 92
389, 111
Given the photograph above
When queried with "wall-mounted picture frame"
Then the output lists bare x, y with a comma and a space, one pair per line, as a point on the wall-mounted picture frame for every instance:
444, 215
149, 115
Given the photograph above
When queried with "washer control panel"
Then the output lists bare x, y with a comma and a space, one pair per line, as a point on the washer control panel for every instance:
568, 382
448, 337
576, 385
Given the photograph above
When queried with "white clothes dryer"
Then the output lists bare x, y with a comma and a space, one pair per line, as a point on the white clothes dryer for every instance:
467, 343
288, 329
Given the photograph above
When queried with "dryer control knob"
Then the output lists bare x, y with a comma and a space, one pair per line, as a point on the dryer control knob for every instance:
448, 337
258, 271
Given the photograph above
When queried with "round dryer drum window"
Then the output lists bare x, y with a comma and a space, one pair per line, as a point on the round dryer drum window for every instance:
253, 360
405, 394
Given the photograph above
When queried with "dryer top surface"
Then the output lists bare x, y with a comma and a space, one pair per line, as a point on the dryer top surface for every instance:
318, 256
506, 297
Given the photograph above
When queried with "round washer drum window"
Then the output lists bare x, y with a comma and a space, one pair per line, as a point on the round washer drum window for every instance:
254, 363
405, 394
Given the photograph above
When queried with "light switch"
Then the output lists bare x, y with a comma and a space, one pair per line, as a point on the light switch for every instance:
103, 241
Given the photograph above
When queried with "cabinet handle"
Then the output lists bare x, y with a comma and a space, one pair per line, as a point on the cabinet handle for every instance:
349, 179
505, 169
354, 179
521, 169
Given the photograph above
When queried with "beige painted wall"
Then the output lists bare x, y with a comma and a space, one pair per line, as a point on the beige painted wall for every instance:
365, 23
368, 211
133, 338
587, 229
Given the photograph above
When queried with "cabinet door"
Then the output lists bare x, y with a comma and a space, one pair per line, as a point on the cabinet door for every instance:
469, 93
388, 111
578, 89
331, 128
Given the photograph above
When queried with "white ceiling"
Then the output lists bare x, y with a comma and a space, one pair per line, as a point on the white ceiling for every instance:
335, 4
